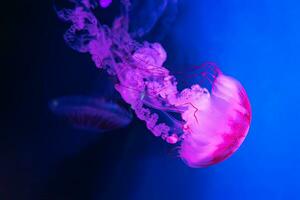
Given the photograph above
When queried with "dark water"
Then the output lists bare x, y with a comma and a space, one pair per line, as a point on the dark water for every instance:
255, 41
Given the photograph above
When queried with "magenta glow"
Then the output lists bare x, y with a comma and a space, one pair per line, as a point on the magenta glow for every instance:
105, 3
213, 123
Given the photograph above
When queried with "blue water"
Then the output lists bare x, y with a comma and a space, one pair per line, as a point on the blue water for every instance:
258, 42
255, 41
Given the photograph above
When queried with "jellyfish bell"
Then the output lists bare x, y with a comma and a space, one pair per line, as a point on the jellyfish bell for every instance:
94, 114
105, 3
151, 15
222, 125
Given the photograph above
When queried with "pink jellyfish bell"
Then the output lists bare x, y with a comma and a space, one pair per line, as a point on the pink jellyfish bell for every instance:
105, 3
219, 126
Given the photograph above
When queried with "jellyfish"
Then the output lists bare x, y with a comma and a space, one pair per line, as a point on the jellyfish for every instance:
105, 3
206, 122
91, 113
145, 16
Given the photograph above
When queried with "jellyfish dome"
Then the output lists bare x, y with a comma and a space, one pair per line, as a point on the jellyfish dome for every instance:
208, 124
94, 114
105, 3
219, 125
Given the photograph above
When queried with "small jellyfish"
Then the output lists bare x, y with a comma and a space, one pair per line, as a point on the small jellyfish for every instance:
90, 113
146, 14
105, 3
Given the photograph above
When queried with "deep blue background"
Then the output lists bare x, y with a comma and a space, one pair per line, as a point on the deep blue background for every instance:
255, 41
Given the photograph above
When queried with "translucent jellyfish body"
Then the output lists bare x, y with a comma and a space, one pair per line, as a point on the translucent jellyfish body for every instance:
105, 3
219, 125
207, 124
90, 113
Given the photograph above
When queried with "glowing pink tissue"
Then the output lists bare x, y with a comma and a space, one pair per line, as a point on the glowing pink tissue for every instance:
213, 123
105, 3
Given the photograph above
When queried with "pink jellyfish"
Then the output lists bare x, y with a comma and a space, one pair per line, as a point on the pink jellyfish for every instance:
212, 123
105, 3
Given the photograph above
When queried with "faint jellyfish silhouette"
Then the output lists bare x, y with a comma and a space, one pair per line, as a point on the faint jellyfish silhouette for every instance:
146, 15
90, 113
105, 3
